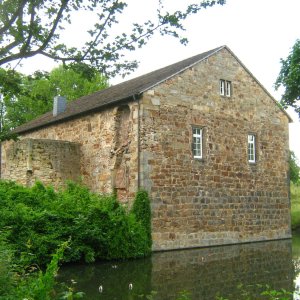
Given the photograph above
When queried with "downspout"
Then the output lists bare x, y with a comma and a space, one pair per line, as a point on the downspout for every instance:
139, 143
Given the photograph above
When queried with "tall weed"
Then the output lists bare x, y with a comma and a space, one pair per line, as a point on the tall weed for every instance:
21, 280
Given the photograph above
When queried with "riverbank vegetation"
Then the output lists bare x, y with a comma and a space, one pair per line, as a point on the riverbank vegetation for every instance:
295, 190
37, 221
295, 206
74, 224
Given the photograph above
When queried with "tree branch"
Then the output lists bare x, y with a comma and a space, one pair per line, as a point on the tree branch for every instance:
55, 23
26, 45
7, 48
99, 33
13, 18
26, 54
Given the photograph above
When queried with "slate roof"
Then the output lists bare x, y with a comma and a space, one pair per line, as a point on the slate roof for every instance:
130, 89
114, 94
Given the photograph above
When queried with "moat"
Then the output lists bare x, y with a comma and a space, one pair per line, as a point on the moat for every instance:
202, 273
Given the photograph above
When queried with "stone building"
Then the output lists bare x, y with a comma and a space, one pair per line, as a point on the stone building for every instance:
203, 136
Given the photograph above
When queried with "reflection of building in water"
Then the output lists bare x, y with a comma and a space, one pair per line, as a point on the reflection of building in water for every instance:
203, 272
206, 272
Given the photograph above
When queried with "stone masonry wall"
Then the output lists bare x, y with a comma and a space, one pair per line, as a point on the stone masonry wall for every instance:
221, 198
101, 146
52, 162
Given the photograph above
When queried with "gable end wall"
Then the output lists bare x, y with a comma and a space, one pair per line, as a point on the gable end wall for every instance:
221, 199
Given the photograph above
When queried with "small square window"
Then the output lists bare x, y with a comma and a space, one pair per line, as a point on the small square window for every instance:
251, 148
197, 142
225, 88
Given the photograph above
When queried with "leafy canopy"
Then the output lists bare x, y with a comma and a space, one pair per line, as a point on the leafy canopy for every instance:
32, 27
289, 79
26, 97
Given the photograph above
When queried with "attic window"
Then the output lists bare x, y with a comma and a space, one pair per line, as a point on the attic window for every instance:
251, 148
225, 88
197, 142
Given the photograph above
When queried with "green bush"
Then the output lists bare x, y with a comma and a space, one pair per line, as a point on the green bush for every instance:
141, 209
39, 219
6, 273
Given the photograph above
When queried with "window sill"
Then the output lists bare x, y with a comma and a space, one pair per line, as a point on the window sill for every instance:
198, 160
253, 165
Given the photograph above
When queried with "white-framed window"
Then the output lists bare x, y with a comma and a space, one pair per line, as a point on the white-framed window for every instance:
225, 88
222, 87
228, 88
197, 142
251, 148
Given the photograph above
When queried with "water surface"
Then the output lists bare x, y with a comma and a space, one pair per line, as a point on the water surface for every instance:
203, 273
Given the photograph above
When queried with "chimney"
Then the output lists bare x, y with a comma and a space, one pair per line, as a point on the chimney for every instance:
59, 105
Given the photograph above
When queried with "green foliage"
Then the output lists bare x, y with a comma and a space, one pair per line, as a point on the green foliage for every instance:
289, 78
7, 275
7, 135
26, 97
34, 27
184, 295
18, 280
265, 292
295, 206
39, 219
142, 210
40, 285
294, 168
277, 294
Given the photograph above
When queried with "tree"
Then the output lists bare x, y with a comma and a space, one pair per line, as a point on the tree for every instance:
289, 78
32, 27
294, 168
26, 97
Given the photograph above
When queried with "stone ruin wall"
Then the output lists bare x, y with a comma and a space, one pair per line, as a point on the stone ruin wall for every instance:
221, 199
48, 161
108, 149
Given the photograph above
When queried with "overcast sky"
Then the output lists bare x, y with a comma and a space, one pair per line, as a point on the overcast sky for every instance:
259, 32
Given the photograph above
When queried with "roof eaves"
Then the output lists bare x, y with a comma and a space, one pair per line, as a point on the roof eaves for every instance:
74, 116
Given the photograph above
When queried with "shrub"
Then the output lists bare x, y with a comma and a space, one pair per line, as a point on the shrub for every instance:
6, 272
142, 210
38, 220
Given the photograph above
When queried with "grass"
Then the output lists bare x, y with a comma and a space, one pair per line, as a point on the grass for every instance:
295, 202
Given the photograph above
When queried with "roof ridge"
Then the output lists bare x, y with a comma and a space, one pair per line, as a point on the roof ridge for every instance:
121, 91
129, 89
